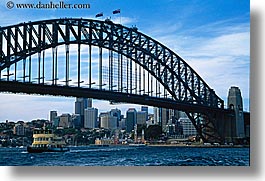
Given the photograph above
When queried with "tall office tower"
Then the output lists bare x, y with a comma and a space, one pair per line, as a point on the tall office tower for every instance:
109, 122
130, 119
90, 118
141, 117
53, 114
76, 121
173, 116
80, 105
102, 114
156, 115
89, 102
234, 101
145, 108
161, 117
164, 118
56, 121
116, 113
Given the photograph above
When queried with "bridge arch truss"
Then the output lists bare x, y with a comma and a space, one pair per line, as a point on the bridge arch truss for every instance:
127, 62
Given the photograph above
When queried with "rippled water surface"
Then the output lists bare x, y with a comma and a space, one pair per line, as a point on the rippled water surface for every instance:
128, 156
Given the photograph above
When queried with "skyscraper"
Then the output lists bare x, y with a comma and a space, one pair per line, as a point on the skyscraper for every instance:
161, 117
80, 105
90, 118
109, 122
53, 114
116, 113
76, 121
89, 102
145, 108
141, 117
130, 119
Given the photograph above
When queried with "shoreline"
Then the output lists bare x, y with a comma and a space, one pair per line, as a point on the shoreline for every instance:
173, 145
199, 146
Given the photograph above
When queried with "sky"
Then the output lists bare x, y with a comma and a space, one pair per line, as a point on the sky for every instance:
213, 37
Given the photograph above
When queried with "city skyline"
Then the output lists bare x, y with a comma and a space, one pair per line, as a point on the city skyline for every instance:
210, 44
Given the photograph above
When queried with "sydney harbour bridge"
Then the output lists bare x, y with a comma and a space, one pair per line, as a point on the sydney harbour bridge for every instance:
107, 61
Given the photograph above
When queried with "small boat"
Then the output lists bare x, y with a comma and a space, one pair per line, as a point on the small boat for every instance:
138, 144
45, 141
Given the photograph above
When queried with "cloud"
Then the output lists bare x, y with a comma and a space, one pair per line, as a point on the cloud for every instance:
28, 107
219, 52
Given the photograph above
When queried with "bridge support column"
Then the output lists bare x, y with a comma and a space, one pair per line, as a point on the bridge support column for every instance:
67, 65
100, 68
89, 65
78, 65
235, 103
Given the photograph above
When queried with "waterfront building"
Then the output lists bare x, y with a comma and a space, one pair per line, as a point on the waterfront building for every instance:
53, 114
108, 121
104, 141
141, 117
130, 119
90, 118
188, 127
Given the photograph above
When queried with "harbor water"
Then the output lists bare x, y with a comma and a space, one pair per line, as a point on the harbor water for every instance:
128, 156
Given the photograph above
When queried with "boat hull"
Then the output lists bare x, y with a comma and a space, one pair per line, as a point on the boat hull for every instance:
46, 149
137, 145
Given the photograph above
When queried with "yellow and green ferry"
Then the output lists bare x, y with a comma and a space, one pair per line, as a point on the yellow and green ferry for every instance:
45, 141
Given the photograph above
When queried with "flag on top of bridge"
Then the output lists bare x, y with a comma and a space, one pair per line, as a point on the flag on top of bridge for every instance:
99, 15
116, 11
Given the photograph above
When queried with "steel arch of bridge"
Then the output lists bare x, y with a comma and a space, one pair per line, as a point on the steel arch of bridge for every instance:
187, 89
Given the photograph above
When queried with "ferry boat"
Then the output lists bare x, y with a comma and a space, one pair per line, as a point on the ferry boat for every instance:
45, 141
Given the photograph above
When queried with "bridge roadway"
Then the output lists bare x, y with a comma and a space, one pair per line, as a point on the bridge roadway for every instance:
55, 90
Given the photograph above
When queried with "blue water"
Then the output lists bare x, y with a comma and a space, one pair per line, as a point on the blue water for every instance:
128, 156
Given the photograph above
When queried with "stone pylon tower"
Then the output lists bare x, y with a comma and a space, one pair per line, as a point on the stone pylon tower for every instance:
235, 102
